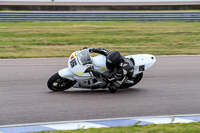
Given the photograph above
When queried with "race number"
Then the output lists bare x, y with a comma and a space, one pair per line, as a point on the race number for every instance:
141, 68
73, 63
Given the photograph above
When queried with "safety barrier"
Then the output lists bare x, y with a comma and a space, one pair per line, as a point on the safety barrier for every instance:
98, 16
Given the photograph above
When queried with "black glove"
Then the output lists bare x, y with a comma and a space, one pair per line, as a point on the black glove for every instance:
85, 47
114, 86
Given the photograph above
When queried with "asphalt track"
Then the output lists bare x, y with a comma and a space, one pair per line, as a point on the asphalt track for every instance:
171, 86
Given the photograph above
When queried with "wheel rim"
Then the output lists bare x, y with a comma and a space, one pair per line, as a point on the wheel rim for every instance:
60, 83
136, 78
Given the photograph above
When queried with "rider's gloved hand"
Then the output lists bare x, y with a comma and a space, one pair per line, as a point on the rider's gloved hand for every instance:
90, 49
85, 47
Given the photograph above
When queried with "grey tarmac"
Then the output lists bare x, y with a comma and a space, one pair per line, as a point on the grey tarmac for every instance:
171, 86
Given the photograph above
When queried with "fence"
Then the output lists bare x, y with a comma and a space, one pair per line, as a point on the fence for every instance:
98, 16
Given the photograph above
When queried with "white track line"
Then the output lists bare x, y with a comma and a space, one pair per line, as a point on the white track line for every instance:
106, 119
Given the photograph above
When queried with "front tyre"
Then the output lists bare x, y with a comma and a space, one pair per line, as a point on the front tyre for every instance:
57, 83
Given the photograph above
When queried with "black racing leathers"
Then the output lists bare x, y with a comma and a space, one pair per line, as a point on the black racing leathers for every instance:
119, 73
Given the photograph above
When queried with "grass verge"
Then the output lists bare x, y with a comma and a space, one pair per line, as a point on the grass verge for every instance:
59, 39
163, 128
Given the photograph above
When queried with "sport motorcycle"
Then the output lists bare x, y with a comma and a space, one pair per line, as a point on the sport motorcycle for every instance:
80, 72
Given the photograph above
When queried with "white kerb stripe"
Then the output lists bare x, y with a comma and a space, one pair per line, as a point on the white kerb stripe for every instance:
166, 120
73, 126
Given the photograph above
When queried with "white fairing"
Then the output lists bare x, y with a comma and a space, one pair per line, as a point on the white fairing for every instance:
142, 62
99, 63
76, 69
66, 73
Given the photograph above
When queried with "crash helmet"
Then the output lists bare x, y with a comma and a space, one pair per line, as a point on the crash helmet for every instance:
113, 60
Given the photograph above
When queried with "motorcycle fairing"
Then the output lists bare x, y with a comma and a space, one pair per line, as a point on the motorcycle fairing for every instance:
142, 62
75, 65
99, 63
66, 73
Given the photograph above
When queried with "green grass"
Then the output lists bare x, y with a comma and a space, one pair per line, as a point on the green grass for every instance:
59, 39
164, 128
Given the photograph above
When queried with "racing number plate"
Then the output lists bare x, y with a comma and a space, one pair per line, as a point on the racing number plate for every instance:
142, 68
73, 63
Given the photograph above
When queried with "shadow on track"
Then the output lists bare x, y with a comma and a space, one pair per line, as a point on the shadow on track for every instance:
101, 91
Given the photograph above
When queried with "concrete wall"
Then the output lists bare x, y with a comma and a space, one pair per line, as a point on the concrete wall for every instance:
98, 8
99, 5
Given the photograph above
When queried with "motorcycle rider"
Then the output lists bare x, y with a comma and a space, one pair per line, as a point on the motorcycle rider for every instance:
120, 68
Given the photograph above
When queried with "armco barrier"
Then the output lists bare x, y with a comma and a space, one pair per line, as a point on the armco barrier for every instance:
98, 16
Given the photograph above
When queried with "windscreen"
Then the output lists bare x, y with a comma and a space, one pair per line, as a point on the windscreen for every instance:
84, 57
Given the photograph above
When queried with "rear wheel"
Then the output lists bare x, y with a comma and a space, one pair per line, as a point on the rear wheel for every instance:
136, 79
57, 83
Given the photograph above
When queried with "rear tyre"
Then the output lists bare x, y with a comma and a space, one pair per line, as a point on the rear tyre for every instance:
136, 79
57, 83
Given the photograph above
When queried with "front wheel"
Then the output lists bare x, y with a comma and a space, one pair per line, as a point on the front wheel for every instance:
136, 79
57, 83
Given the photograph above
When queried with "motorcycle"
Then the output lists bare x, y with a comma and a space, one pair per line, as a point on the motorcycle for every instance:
80, 72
